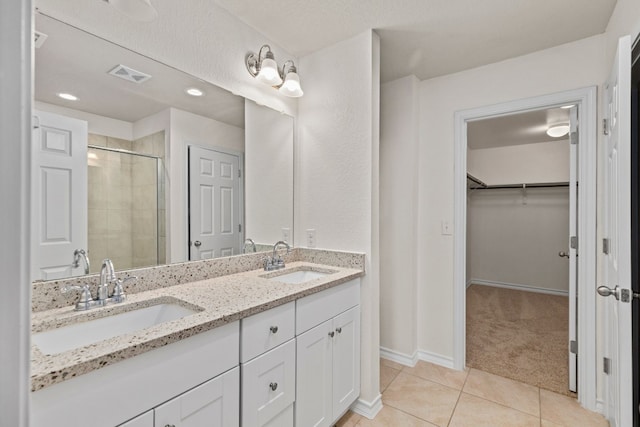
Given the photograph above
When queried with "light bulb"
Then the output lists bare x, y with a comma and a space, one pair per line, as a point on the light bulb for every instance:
558, 130
269, 72
291, 86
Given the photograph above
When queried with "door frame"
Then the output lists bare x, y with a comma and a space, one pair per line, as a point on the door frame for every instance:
240, 156
585, 98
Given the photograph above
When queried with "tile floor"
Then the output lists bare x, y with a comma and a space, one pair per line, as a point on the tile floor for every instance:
428, 395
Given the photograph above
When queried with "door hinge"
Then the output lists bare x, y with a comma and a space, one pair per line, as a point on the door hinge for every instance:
605, 126
240, 228
605, 246
606, 365
573, 346
574, 242
573, 137
239, 173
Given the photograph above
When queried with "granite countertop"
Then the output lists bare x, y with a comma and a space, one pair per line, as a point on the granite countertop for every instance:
217, 301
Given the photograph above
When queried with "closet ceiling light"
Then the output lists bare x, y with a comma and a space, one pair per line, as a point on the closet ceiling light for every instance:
67, 96
264, 68
138, 10
558, 130
566, 107
194, 91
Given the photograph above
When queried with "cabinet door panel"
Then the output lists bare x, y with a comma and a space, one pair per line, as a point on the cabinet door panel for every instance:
314, 377
212, 404
268, 385
346, 360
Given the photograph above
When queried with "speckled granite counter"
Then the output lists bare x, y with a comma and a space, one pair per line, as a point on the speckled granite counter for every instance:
218, 300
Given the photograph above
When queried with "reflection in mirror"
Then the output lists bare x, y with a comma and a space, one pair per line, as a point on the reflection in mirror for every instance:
122, 192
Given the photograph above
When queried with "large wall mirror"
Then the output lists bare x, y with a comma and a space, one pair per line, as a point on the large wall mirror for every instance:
143, 164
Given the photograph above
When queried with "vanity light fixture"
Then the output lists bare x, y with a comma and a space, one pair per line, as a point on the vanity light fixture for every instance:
67, 96
557, 131
138, 10
264, 68
194, 91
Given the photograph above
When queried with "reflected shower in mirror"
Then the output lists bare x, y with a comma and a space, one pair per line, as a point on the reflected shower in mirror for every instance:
141, 118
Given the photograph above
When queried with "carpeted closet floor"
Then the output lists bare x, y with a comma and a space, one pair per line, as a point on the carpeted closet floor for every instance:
519, 335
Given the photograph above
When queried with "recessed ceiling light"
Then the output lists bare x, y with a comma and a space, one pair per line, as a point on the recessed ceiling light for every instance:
68, 96
566, 107
558, 130
194, 92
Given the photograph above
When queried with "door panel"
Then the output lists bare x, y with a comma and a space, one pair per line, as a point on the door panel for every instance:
59, 195
346, 360
617, 228
214, 204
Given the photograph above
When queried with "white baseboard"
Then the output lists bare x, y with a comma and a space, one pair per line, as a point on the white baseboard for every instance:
518, 287
398, 357
600, 406
436, 359
368, 409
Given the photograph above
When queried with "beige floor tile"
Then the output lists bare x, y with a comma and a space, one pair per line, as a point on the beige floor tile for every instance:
477, 412
387, 374
439, 374
566, 411
350, 419
545, 423
514, 394
391, 417
421, 398
391, 364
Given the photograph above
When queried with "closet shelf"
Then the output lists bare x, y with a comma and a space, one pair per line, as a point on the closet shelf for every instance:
477, 184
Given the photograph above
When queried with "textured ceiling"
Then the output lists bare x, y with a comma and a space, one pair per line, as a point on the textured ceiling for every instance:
516, 129
427, 38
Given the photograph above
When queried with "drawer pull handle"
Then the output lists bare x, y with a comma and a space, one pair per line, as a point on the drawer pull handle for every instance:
331, 334
273, 386
274, 329
170, 425
339, 330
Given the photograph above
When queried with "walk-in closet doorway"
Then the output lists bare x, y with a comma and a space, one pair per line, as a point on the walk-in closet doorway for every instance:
492, 209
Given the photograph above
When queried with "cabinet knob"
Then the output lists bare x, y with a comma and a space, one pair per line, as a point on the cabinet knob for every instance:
274, 329
273, 386
331, 334
339, 330
170, 425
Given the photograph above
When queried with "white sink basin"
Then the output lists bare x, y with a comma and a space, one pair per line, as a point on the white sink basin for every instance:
81, 334
299, 276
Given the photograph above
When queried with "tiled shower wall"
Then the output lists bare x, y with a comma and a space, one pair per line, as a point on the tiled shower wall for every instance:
125, 223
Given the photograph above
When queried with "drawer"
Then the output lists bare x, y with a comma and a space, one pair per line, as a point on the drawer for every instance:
264, 331
268, 385
322, 306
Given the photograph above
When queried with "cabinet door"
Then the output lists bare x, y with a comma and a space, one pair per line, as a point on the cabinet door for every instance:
144, 420
346, 360
314, 377
268, 385
212, 404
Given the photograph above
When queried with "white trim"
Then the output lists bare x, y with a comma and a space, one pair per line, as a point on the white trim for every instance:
586, 99
401, 358
437, 359
518, 287
368, 409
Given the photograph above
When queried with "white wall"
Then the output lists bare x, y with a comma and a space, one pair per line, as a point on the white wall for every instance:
203, 40
268, 174
518, 164
531, 75
515, 239
337, 170
398, 214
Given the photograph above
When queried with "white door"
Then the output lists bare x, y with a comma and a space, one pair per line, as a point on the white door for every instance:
215, 403
617, 230
573, 248
214, 204
314, 377
59, 195
346, 360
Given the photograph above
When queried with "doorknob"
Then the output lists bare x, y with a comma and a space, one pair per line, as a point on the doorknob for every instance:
607, 292
197, 243
563, 254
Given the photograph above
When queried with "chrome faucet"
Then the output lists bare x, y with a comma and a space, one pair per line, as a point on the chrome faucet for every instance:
107, 276
81, 253
244, 246
275, 262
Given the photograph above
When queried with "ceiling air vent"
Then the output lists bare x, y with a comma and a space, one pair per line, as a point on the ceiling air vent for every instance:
39, 39
129, 74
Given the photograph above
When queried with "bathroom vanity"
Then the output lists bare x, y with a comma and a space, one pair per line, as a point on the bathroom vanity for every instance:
253, 348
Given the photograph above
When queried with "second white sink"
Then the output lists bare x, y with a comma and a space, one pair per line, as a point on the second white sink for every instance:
82, 334
299, 276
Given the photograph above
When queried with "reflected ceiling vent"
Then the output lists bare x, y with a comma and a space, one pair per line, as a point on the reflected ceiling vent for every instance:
129, 74
39, 39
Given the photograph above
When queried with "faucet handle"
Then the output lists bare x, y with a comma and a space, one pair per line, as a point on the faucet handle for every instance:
118, 290
85, 295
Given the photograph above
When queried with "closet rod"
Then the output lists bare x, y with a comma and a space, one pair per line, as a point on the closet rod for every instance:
476, 180
516, 186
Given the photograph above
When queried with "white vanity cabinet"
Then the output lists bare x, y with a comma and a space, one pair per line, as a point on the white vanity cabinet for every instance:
268, 356
328, 354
